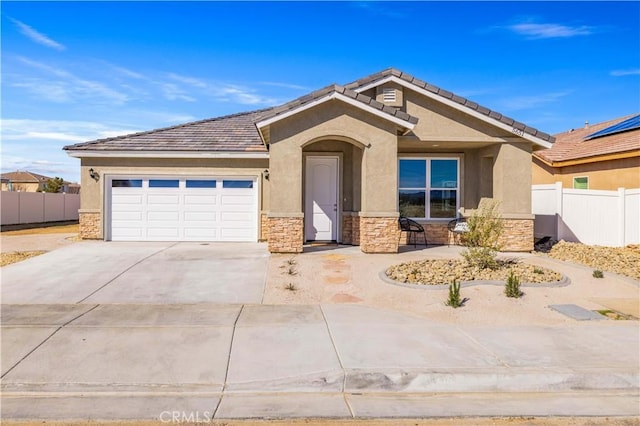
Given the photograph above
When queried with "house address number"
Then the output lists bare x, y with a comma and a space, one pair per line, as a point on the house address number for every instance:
518, 132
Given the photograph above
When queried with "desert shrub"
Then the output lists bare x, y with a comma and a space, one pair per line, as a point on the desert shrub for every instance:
454, 299
598, 274
482, 240
512, 287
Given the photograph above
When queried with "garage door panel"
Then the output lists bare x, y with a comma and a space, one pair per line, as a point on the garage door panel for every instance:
126, 215
230, 217
163, 216
160, 232
237, 200
205, 200
208, 212
122, 232
200, 216
163, 199
119, 199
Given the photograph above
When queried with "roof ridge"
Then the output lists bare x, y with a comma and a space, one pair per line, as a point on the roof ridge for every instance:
343, 90
394, 72
161, 129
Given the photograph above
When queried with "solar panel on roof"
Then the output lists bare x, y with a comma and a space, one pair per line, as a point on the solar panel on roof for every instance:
628, 124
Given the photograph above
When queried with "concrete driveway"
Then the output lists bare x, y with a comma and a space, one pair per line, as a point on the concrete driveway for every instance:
112, 272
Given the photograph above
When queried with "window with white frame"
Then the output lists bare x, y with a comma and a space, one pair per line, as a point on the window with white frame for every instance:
429, 187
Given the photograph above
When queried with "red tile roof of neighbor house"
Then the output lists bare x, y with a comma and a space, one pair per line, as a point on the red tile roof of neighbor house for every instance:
238, 132
575, 144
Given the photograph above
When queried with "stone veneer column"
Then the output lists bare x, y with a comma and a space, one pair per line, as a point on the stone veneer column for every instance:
355, 230
347, 228
379, 234
90, 224
517, 235
285, 234
264, 226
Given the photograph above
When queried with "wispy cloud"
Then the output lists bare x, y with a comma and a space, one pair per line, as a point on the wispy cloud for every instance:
221, 92
36, 36
622, 73
284, 85
36, 145
68, 87
174, 93
533, 30
66, 131
191, 81
528, 102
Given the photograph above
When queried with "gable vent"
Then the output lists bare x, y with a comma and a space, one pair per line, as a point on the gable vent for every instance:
388, 94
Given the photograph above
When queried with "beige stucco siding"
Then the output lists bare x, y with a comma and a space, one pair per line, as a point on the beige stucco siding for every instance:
93, 191
512, 178
437, 121
23, 187
603, 175
334, 120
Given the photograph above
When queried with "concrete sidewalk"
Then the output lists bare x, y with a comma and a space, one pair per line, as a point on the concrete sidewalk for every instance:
145, 361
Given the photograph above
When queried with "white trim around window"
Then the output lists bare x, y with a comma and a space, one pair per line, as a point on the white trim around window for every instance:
427, 188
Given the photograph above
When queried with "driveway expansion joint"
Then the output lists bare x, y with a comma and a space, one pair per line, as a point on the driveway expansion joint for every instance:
46, 339
125, 271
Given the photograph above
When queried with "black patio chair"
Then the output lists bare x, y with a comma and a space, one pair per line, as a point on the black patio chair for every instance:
457, 227
413, 228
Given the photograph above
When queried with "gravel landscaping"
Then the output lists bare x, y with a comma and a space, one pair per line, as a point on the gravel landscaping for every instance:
17, 256
439, 272
619, 260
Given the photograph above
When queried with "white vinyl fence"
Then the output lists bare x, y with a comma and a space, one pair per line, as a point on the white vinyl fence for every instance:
37, 207
604, 218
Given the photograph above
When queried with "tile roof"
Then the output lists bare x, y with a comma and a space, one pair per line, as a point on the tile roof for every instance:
373, 78
24, 176
235, 132
238, 132
573, 145
335, 88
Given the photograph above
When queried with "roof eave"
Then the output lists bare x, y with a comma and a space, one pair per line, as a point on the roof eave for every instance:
85, 153
462, 108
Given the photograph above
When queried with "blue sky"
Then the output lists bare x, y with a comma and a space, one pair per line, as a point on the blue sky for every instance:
77, 71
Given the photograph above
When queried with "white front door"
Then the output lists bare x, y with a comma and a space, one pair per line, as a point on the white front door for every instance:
321, 199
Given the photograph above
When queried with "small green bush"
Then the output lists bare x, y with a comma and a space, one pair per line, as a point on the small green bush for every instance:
512, 287
482, 240
598, 274
454, 295
537, 270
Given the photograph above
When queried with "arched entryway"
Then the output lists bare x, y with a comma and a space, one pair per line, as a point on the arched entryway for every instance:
332, 186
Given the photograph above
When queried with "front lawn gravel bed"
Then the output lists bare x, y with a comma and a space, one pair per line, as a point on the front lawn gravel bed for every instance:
18, 256
619, 260
442, 272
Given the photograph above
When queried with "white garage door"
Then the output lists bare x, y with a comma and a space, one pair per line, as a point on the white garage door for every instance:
183, 209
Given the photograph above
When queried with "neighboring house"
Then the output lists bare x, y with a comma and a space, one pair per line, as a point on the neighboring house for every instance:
603, 156
339, 164
23, 181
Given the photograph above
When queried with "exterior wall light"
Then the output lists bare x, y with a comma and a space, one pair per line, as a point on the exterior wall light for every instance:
266, 174
94, 175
